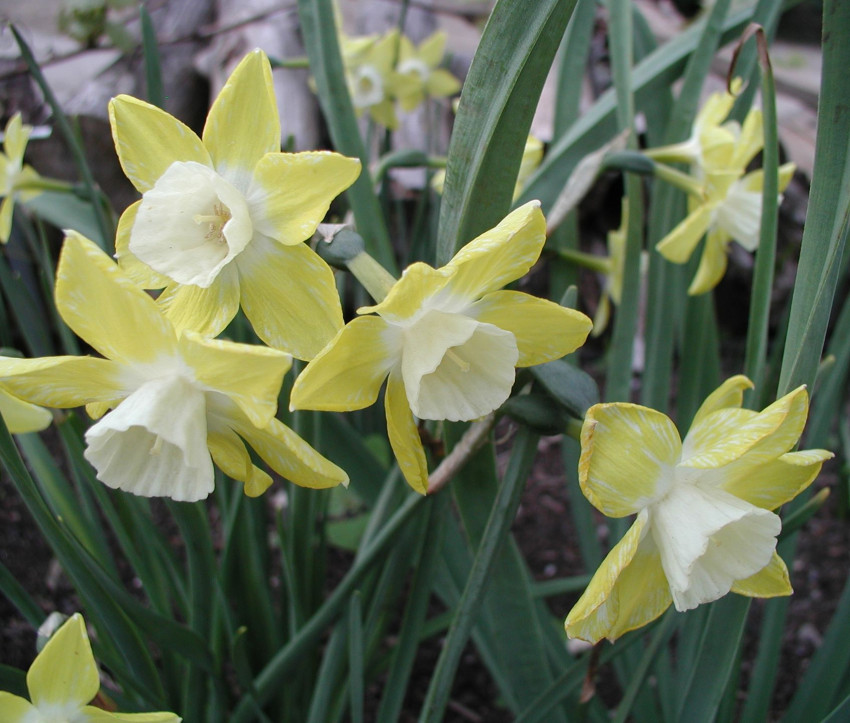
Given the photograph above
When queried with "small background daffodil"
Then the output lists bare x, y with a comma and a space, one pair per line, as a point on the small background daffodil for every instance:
179, 401
369, 72
417, 75
705, 524
447, 338
222, 219
62, 681
14, 174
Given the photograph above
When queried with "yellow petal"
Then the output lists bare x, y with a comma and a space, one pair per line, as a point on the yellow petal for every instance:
289, 295
249, 374
712, 264
729, 394
603, 314
15, 709
544, 330
500, 255
98, 715
230, 455
772, 581
432, 49
290, 456
243, 123
206, 311
384, 113
15, 137
404, 436
64, 672
63, 381
105, 308
773, 483
755, 181
418, 282
678, 245
442, 84
291, 192
628, 590
7, 208
148, 140
750, 141
349, 372
627, 451
139, 272
728, 434
22, 417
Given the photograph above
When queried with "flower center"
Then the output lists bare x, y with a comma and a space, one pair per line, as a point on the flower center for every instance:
191, 224
414, 66
367, 87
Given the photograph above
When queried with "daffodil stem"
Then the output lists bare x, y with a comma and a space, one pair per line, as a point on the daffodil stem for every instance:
374, 277
468, 444
574, 428
46, 184
673, 153
602, 264
685, 182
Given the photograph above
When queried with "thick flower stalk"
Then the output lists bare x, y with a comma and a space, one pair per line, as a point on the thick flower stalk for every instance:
418, 75
62, 681
705, 524
179, 402
447, 340
223, 218
15, 175
21, 417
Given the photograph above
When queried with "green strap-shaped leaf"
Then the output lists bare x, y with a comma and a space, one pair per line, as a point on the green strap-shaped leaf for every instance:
320, 41
499, 98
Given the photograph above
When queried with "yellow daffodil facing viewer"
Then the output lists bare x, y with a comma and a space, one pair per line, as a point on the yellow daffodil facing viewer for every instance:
222, 219
14, 175
62, 680
448, 339
417, 75
704, 524
180, 402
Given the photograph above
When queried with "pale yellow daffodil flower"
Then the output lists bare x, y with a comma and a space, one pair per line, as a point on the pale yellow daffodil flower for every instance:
369, 74
62, 681
447, 339
179, 402
222, 218
712, 137
15, 175
730, 210
417, 75
705, 524
22, 417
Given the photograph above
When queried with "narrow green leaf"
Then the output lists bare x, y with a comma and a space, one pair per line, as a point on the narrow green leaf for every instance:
573, 388
17, 595
356, 674
150, 51
499, 97
320, 39
501, 516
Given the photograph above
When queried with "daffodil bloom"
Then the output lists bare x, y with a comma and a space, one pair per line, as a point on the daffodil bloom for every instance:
62, 681
448, 340
532, 155
705, 524
222, 219
730, 210
179, 402
712, 137
15, 176
21, 417
369, 73
417, 75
